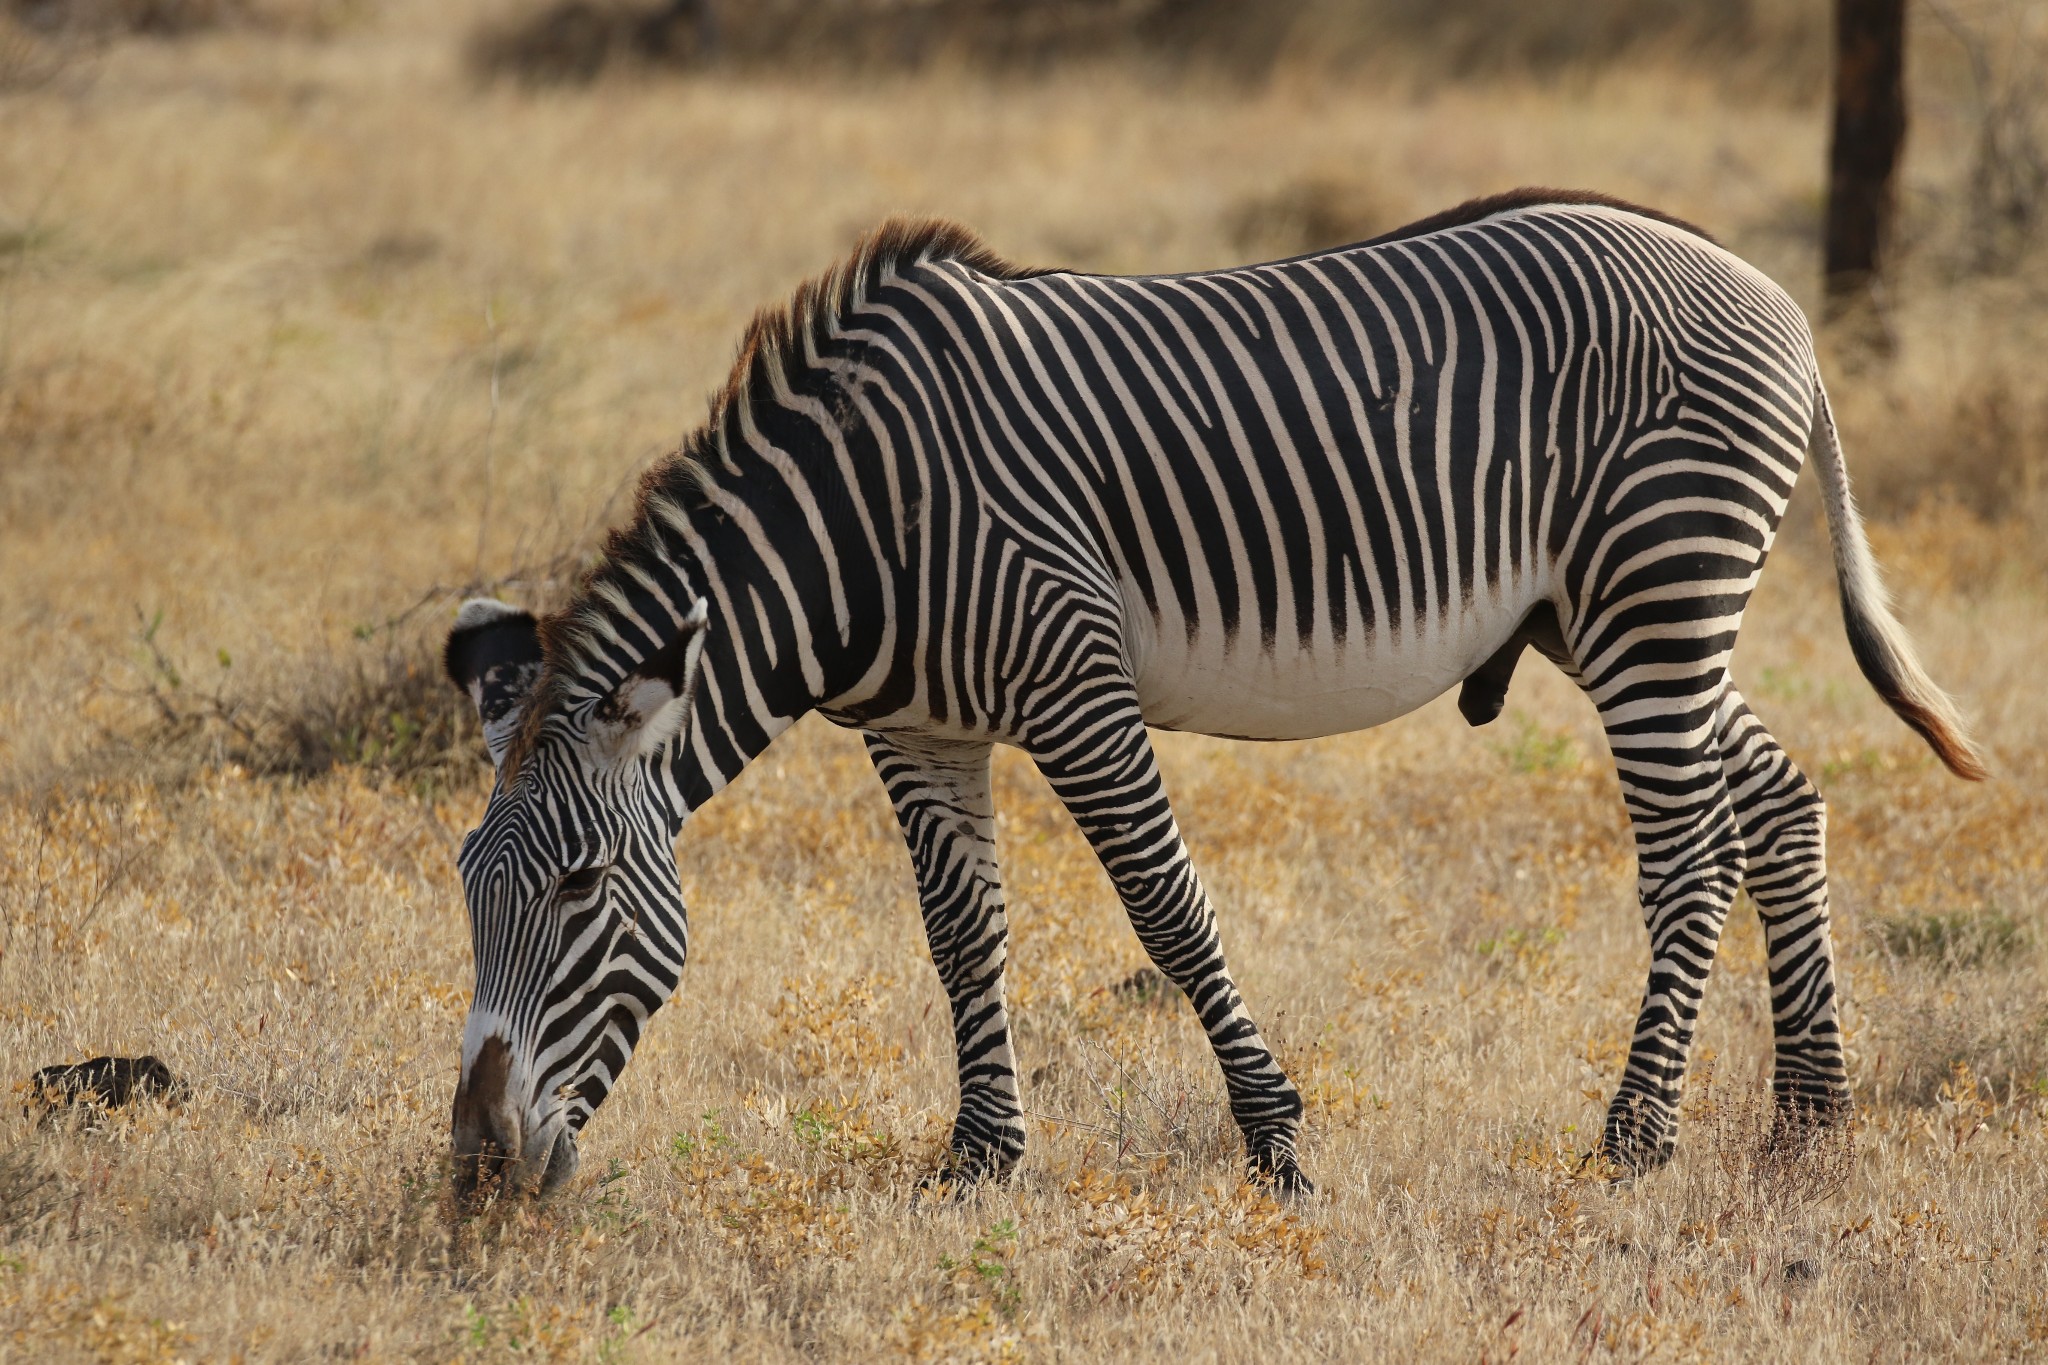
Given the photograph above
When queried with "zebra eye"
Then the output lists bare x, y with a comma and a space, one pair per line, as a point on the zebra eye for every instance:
580, 884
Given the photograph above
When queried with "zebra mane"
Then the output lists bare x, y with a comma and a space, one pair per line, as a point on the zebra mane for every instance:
779, 341
1528, 197
779, 338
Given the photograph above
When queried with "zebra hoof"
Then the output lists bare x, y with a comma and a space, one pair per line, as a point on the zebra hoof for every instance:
1281, 1177
1812, 1135
1640, 1135
936, 1188
964, 1175
1799, 1117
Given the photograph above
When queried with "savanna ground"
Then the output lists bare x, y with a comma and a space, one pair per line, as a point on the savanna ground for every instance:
304, 329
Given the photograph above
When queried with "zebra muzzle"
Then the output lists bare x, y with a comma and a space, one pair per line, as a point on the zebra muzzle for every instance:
485, 1129
498, 1148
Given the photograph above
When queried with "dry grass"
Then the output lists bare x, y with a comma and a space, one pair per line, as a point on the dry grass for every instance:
296, 334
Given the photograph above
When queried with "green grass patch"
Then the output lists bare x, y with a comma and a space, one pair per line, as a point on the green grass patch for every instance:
1969, 938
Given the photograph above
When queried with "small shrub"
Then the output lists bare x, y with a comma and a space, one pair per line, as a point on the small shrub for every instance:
1986, 938
27, 62
1772, 1167
1930, 1030
28, 1187
572, 41
156, 18
1146, 987
1980, 444
380, 703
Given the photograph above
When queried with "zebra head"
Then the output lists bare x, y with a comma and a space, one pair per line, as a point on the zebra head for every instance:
576, 918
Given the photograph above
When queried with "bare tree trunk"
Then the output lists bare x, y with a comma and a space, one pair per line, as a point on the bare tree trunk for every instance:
1869, 135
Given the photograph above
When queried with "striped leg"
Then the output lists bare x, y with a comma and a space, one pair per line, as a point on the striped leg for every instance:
1655, 601
941, 794
1784, 827
1099, 760
1689, 863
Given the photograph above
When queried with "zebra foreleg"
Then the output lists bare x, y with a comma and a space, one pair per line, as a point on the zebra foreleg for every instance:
941, 794
1784, 828
1100, 763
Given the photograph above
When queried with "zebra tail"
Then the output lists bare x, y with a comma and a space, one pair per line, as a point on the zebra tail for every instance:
1879, 642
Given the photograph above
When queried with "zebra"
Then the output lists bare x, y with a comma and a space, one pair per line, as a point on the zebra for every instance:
952, 503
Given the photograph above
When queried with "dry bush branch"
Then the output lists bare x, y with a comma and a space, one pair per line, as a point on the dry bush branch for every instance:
381, 703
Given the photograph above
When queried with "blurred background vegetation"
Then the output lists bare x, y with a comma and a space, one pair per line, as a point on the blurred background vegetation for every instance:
330, 180
1780, 40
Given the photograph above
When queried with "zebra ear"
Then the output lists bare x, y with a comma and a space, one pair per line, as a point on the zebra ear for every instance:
651, 705
493, 653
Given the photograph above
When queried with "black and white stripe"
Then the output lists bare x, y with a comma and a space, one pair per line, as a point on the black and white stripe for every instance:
956, 504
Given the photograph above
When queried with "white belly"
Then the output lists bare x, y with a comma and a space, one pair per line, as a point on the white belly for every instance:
1304, 689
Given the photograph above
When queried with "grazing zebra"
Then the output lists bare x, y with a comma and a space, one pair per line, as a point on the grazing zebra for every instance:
953, 503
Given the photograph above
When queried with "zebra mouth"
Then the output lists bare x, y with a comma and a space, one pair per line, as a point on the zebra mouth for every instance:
488, 1169
493, 1171
479, 1174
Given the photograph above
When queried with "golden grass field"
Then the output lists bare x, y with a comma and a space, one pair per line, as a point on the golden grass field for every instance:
302, 331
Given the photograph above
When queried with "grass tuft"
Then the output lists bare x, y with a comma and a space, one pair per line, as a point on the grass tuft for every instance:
1958, 941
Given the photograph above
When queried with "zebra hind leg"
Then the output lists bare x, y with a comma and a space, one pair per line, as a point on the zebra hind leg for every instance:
1689, 862
1784, 828
943, 803
1100, 763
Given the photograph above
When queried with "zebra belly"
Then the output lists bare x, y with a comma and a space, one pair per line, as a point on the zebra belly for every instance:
1240, 688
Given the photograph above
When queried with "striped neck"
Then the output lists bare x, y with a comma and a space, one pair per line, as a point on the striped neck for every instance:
751, 688
781, 513
747, 537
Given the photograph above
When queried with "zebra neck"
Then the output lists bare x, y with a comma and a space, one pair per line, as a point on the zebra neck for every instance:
739, 710
781, 639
